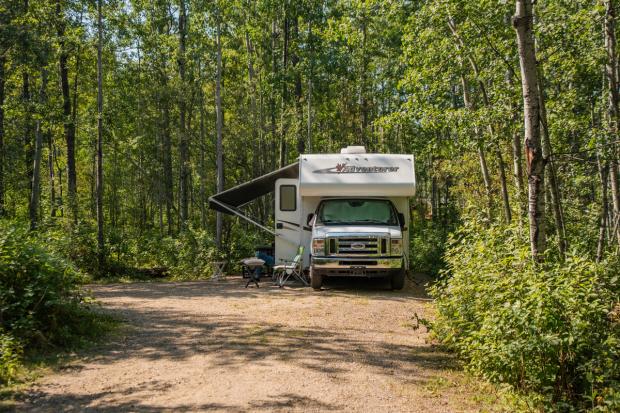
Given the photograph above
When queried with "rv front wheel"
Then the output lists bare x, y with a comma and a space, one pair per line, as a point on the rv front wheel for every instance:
316, 280
398, 279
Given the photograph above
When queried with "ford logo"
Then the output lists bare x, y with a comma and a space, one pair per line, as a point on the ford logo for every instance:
358, 246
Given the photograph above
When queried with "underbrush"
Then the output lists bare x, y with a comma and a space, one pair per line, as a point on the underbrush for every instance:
41, 305
148, 254
427, 247
551, 331
186, 256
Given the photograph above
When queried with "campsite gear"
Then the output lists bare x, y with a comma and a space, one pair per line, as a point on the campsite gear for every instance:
269, 261
218, 270
249, 267
291, 269
363, 235
265, 249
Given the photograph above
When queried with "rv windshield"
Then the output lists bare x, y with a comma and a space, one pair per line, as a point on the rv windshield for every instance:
356, 211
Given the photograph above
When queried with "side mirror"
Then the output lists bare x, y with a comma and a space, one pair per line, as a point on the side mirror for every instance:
401, 219
309, 219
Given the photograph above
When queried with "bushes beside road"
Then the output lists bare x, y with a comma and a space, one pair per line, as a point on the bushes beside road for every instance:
41, 305
551, 331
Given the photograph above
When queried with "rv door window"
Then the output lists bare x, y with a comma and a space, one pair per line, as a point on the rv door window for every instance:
288, 198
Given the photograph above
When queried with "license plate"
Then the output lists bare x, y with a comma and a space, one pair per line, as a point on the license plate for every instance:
358, 270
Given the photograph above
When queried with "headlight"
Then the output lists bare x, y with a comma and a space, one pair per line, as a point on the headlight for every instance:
318, 246
396, 247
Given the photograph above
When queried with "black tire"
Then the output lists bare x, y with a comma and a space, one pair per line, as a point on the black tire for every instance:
316, 280
398, 279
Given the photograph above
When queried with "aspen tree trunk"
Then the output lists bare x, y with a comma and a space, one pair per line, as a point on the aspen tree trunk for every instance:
28, 130
50, 164
255, 118
517, 165
59, 173
517, 157
68, 119
99, 185
272, 99
309, 92
504, 186
35, 193
183, 138
470, 106
167, 165
603, 170
363, 97
523, 24
301, 141
552, 183
481, 155
203, 166
611, 72
2, 83
219, 125
28, 141
283, 114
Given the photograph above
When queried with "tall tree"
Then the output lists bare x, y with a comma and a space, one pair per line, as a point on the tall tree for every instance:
35, 187
552, 182
2, 85
219, 149
183, 137
100, 223
68, 118
613, 109
523, 23
284, 85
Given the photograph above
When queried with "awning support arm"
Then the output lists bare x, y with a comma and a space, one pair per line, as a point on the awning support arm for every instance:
240, 215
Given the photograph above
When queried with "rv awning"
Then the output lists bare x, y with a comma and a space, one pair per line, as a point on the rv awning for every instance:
231, 199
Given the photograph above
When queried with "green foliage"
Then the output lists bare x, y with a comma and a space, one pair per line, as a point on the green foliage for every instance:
10, 357
427, 247
40, 302
186, 256
77, 244
550, 330
36, 286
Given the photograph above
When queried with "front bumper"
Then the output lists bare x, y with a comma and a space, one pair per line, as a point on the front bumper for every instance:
357, 266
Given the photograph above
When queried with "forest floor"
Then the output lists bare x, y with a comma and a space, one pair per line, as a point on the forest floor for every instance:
216, 346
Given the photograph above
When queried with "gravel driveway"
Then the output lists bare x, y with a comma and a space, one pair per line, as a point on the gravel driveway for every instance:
216, 346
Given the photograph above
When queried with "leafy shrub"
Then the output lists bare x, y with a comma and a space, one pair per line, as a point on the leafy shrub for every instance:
10, 357
78, 244
35, 285
40, 302
188, 255
427, 247
547, 330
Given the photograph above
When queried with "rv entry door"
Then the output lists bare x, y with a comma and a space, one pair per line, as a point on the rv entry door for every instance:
288, 219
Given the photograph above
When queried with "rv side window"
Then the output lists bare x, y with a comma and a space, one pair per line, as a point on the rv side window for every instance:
288, 198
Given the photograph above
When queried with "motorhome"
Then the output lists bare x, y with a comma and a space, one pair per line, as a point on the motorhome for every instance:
350, 212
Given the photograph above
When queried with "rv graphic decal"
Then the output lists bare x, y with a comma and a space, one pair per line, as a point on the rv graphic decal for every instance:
343, 168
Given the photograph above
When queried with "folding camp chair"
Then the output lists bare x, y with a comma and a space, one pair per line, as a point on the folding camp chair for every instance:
294, 269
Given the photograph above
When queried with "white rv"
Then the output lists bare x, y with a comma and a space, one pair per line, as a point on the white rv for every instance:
350, 212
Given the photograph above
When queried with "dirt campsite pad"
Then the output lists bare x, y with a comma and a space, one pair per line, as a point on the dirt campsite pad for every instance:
216, 346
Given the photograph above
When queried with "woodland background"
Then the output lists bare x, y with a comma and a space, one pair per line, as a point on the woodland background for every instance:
119, 118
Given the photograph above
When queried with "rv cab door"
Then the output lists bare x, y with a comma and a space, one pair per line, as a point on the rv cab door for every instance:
288, 220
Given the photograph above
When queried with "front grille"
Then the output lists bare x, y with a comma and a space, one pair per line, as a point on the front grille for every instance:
357, 263
357, 246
